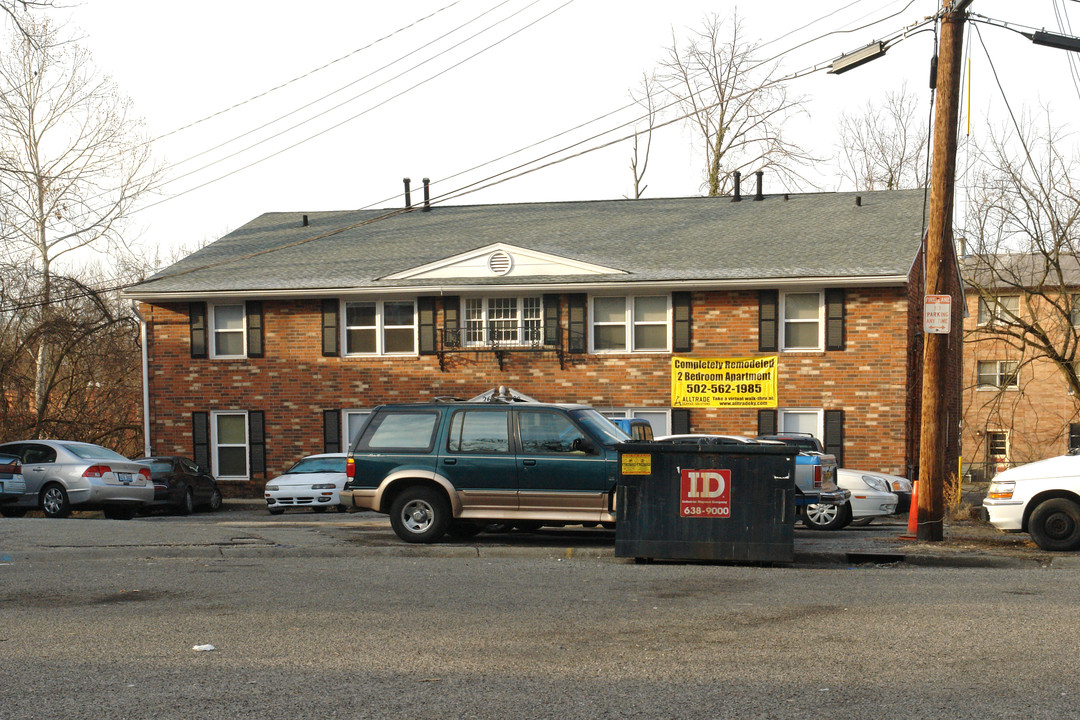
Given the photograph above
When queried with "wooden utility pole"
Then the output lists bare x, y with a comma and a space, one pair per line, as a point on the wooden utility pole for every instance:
935, 389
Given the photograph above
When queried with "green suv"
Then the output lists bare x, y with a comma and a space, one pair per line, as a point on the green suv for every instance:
454, 467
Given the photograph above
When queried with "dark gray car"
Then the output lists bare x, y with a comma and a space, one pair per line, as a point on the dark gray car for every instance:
61, 476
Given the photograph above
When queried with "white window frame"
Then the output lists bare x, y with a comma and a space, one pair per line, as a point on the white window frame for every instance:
519, 320
214, 461
380, 328
1000, 375
629, 324
213, 330
629, 413
818, 413
1008, 450
782, 316
993, 309
346, 441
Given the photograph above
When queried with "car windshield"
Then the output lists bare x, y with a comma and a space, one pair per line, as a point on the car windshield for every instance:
600, 427
318, 465
92, 452
158, 467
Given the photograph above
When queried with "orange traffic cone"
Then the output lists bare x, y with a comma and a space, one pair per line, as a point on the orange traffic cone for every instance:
913, 514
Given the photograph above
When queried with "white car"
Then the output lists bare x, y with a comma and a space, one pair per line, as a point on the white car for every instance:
870, 498
313, 482
1041, 498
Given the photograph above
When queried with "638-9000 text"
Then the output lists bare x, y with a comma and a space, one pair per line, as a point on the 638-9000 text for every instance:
707, 510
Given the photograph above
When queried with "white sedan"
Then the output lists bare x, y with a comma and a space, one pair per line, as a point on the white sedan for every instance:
1041, 498
313, 482
870, 498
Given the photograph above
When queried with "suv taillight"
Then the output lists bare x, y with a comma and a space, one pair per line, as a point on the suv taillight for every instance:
96, 471
817, 476
350, 469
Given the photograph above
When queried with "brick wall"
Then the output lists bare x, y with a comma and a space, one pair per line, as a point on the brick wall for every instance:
293, 384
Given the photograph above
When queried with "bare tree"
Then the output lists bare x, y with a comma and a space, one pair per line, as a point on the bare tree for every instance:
1023, 234
646, 96
884, 146
72, 163
735, 105
17, 10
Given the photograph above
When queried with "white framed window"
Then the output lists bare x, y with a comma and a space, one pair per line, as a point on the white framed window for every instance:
994, 374
380, 327
228, 331
352, 421
801, 420
997, 446
1001, 308
633, 323
229, 444
659, 419
503, 321
802, 315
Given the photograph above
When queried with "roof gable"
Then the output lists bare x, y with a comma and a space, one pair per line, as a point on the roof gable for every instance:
502, 260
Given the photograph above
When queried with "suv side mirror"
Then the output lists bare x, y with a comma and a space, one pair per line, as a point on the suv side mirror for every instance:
584, 445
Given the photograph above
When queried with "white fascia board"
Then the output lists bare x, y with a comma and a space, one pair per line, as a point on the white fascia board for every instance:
518, 288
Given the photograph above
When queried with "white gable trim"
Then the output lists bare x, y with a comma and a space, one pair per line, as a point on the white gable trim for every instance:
523, 263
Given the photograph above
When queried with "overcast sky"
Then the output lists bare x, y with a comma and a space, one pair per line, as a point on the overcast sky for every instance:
543, 67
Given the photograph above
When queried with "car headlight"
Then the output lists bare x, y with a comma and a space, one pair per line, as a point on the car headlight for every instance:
901, 486
271, 488
875, 483
1001, 490
324, 486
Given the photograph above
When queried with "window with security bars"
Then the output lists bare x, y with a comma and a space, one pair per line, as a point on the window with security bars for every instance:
503, 321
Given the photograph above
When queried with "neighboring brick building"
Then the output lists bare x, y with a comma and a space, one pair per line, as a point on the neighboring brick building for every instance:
1018, 406
273, 342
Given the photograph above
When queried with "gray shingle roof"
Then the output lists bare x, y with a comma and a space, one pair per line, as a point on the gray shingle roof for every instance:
816, 235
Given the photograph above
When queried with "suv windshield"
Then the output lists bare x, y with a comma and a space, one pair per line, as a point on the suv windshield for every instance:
600, 427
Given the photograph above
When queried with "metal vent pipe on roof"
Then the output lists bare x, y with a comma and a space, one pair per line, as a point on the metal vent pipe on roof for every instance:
305, 221
760, 174
858, 201
427, 195
737, 197
408, 193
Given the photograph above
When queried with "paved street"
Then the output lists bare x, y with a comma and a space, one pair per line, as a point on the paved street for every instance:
319, 616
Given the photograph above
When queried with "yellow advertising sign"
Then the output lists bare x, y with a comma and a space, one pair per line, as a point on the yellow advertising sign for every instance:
723, 382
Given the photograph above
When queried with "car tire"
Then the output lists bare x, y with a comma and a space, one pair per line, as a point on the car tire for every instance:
320, 508
817, 516
342, 508
275, 511
215, 501
420, 514
12, 512
1055, 525
54, 501
464, 529
187, 503
119, 512
861, 522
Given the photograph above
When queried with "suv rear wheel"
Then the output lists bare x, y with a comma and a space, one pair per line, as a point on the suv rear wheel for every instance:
420, 514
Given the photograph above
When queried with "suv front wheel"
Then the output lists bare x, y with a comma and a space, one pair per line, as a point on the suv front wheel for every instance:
420, 514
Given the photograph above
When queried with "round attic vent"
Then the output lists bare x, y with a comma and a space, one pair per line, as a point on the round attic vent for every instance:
500, 263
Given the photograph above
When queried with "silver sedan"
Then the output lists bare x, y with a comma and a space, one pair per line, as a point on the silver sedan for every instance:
61, 476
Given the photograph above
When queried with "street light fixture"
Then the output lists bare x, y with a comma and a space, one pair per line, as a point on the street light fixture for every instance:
853, 60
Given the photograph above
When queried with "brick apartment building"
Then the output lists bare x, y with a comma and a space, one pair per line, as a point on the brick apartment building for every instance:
274, 341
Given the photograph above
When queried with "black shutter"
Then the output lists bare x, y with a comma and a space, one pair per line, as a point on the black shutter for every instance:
257, 442
1074, 436
451, 321
197, 322
254, 311
680, 421
577, 322
768, 327
331, 430
680, 306
200, 440
766, 422
425, 307
330, 332
552, 331
834, 319
834, 435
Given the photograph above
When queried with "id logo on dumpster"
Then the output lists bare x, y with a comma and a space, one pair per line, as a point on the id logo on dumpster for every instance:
705, 493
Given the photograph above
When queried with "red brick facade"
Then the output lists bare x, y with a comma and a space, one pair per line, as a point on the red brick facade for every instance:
873, 379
